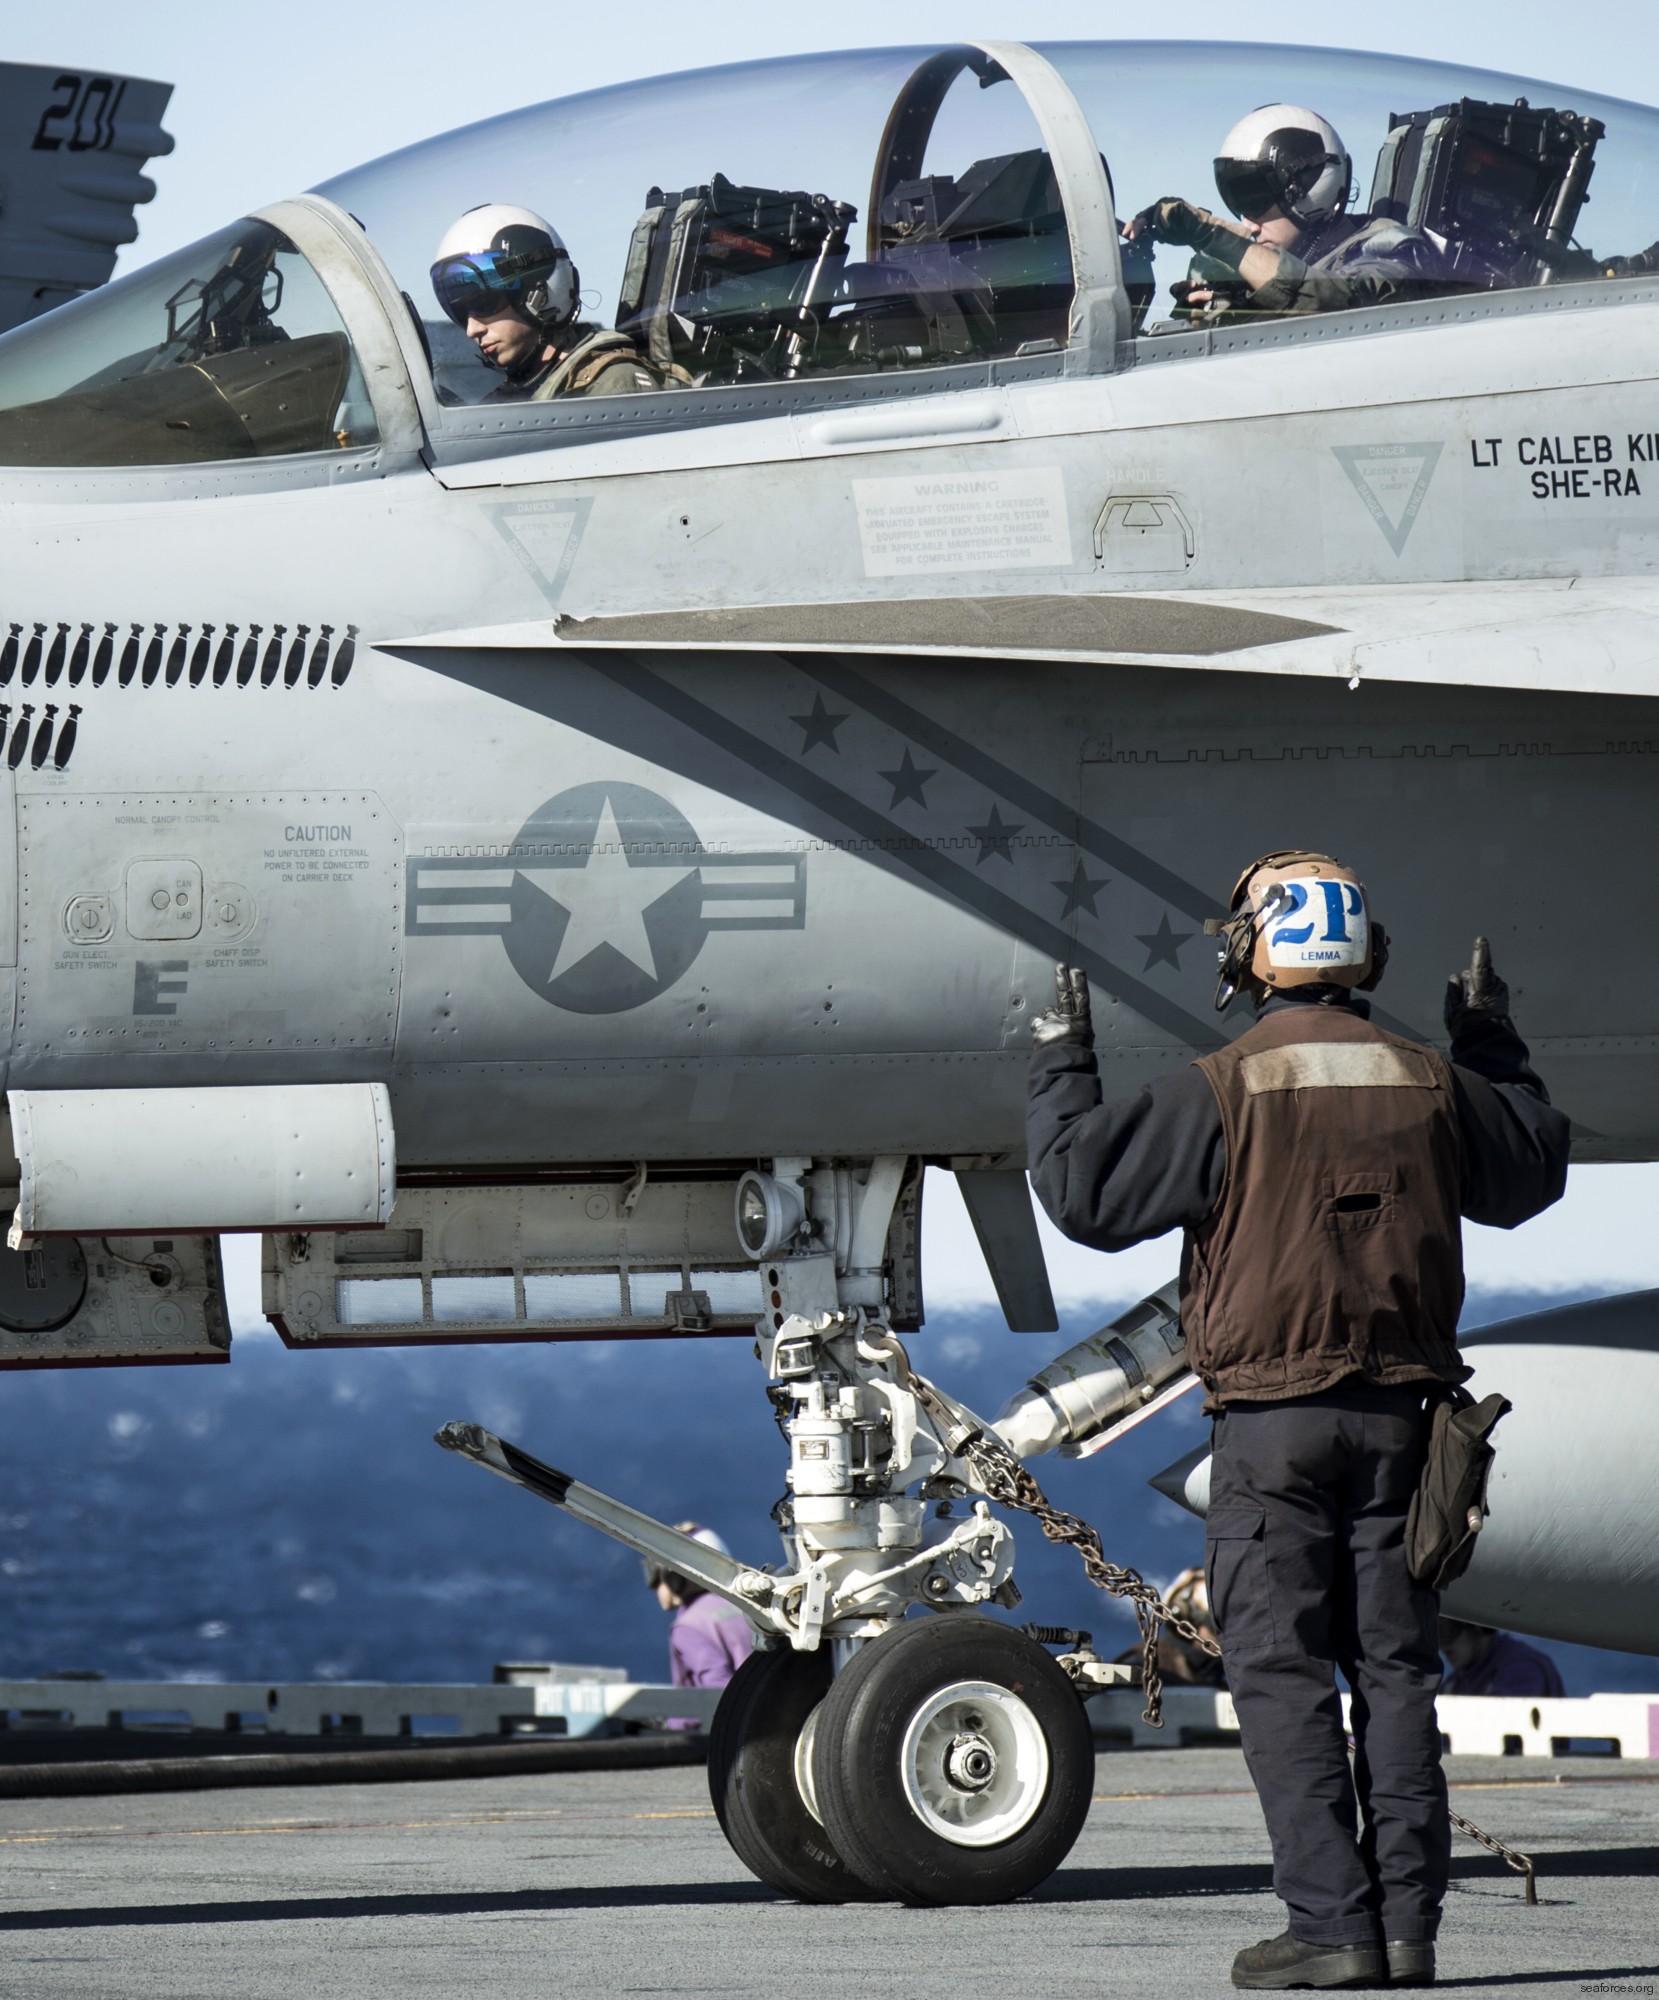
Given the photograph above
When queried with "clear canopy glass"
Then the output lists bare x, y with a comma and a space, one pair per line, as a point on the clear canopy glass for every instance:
231, 349
739, 223
991, 280
849, 214
1160, 111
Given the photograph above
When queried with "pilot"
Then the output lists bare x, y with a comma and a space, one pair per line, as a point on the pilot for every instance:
1319, 1168
504, 277
1284, 172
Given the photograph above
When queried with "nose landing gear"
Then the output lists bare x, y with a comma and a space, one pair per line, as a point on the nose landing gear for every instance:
949, 1762
889, 1741
760, 1777
952, 1762
949, 1759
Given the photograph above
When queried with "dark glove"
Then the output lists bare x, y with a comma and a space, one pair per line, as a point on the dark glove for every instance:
1476, 995
1068, 1020
1642, 265
1173, 220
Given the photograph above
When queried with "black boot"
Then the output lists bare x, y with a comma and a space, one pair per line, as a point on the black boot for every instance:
1292, 1961
1410, 1963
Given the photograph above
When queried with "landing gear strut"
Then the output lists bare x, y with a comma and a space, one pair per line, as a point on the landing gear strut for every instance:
865, 1751
948, 1760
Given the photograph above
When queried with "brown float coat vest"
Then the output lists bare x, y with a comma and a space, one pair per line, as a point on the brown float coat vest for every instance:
1335, 1247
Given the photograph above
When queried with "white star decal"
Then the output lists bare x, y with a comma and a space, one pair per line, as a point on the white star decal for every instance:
606, 898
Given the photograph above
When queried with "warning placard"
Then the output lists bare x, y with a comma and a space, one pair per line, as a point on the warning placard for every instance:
993, 520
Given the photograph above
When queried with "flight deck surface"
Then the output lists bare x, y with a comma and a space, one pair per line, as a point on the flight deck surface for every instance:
619, 1883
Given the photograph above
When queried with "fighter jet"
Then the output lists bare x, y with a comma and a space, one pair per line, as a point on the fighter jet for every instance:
72, 144
560, 866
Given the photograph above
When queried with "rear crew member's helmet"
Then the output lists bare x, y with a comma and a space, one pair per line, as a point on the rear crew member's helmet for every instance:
1297, 919
500, 258
1286, 157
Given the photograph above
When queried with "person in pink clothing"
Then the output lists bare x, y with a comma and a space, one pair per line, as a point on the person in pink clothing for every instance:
708, 1639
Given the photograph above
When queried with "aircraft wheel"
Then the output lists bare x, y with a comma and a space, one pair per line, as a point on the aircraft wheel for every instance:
756, 1769
953, 1762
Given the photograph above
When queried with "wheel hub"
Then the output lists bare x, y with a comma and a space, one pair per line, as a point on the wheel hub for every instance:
971, 1762
974, 1764
805, 1783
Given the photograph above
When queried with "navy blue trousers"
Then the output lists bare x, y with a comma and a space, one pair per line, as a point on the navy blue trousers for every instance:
1307, 1575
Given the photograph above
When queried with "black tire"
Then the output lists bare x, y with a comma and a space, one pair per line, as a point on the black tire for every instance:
752, 1779
902, 1716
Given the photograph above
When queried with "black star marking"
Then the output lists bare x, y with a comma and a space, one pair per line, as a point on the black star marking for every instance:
996, 836
820, 727
1163, 946
907, 781
1080, 889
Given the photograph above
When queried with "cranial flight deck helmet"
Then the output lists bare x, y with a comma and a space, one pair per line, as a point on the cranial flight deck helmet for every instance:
658, 1572
1297, 919
501, 258
1284, 156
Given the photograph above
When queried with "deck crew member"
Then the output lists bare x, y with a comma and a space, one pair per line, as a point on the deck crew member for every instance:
708, 1639
1486, 1662
1318, 1167
504, 276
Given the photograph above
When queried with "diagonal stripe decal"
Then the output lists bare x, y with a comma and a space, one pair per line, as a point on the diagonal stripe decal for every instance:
916, 851
968, 758
1088, 835
834, 752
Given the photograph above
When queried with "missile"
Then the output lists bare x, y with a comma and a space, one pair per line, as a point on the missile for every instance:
1131, 1366
1571, 1548
1187, 1481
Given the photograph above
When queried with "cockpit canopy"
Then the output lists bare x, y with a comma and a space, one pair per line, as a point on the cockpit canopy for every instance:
230, 349
843, 218
899, 208
914, 219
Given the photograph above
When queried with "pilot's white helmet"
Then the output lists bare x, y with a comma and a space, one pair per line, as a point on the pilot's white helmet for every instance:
1284, 156
501, 257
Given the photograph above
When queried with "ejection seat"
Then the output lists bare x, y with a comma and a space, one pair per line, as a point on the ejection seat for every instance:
726, 283
1498, 187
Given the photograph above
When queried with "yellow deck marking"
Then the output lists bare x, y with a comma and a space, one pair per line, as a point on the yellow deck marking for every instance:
518, 1816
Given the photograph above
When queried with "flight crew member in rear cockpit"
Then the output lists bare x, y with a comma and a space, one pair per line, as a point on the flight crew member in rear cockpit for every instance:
505, 278
1284, 172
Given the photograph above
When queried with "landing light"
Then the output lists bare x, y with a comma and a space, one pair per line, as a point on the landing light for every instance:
769, 1212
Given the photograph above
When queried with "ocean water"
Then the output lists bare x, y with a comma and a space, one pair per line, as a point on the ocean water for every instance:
287, 1515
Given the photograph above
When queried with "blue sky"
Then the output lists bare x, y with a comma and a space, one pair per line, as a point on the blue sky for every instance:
260, 112
265, 107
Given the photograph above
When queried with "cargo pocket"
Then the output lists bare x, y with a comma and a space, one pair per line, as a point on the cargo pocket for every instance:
1236, 1573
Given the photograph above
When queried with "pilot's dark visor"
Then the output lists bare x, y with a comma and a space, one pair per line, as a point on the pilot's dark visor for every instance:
488, 283
1248, 187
